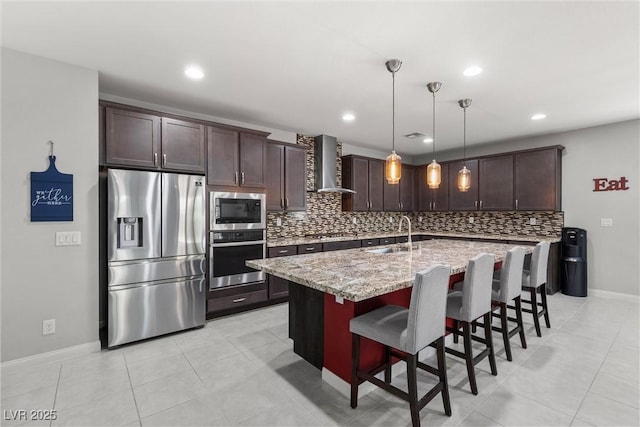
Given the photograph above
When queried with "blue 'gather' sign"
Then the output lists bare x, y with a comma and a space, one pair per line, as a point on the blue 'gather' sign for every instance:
51, 194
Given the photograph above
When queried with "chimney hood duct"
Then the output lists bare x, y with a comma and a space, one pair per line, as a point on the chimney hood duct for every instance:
326, 165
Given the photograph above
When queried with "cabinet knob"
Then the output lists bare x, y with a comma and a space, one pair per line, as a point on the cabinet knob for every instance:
475, 204
242, 176
286, 200
239, 300
309, 249
480, 204
516, 203
282, 203
235, 178
164, 160
155, 159
283, 251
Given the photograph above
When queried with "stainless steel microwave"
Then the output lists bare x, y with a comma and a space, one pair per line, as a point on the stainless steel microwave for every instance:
237, 211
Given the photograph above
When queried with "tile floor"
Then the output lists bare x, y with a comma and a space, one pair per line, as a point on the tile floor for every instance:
241, 371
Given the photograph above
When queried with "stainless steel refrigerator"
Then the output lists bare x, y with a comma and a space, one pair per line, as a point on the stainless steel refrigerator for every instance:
155, 254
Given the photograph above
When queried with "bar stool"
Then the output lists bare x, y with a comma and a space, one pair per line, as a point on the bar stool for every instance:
468, 304
409, 331
507, 288
536, 278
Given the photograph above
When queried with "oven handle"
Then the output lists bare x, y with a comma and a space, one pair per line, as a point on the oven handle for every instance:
228, 245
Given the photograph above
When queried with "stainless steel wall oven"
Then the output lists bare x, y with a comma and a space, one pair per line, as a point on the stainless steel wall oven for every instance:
228, 252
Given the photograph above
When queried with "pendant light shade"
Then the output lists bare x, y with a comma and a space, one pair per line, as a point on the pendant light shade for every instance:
434, 172
393, 167
464, 175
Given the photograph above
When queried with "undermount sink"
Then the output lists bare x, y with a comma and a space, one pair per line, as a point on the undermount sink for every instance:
388, 250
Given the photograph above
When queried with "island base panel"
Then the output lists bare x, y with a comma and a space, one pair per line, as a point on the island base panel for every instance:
306, 323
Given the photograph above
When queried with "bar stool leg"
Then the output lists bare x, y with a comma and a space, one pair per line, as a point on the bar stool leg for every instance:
504, 325
355, 360
442, 374
534, 310
412, 384
466, 338
387, 361
543, 298
456, 326
518, 303
489, 340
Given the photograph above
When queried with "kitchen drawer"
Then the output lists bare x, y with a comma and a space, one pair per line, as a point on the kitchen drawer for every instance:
336, 246
282, 251
309, 248
387, 240
402, 239
238, 300
370, 242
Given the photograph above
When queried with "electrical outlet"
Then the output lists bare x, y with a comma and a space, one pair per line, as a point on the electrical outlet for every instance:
279, 222
391, 219
354, 220
471, 220
533, 221
49, 327
419, 219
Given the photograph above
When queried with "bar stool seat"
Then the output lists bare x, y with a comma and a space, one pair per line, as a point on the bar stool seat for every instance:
404, 333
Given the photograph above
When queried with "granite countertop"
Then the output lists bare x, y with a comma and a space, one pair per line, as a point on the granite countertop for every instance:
359, 274
506, 237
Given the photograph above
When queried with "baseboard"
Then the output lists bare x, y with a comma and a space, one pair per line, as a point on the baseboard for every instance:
55, 355
614, 295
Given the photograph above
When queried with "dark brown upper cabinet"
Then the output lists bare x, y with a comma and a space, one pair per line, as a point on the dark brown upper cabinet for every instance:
139, 139
538, 179
400, 197
132, 138
235, 159
459, 200
365, 176
182, 145
286, 181
496, 183
436, 199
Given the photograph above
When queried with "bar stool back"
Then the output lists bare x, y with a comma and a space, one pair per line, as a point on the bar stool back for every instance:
534, 280
410, 331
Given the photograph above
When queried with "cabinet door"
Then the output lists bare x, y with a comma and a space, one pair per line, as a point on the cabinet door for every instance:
252, 160
355, 171
538, 180
496, 183
391, 195
274, 181
222, 162
182, 145
458, 200
422, 190
440, 195
131, 138
407, 188
376, 185
295, 178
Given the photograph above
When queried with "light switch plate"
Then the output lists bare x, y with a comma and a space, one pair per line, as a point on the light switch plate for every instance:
68, 238
606, 222
533, 221
278, 222
471, 219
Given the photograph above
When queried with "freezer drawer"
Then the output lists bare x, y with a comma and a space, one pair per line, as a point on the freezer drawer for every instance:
135, 272
148, 310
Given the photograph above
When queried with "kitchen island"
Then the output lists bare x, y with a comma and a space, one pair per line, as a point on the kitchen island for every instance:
328, 289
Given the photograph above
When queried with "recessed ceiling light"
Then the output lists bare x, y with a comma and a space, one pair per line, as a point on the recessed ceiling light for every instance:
194, 72
348, 117
538, 116
427, 140
472, 71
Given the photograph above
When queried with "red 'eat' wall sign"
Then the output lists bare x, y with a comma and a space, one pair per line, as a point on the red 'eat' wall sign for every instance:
604, 184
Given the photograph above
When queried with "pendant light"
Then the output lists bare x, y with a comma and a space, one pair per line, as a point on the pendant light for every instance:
393, 167
434, 170
464, 175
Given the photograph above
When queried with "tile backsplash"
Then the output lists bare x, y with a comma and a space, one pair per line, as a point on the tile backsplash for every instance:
324, 215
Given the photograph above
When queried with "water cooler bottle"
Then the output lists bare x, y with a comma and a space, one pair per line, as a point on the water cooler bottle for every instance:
574, 262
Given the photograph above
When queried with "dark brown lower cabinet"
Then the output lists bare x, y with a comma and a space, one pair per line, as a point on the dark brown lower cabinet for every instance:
278, 287
231, 299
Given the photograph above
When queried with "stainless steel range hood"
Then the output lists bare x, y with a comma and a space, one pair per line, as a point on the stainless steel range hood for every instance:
326, 165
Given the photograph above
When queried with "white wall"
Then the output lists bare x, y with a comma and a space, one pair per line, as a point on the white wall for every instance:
46, 100
608, 151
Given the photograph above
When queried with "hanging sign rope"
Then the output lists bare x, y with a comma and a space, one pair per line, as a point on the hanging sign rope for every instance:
51, 193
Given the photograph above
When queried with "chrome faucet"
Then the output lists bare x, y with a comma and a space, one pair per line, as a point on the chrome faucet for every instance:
409, 225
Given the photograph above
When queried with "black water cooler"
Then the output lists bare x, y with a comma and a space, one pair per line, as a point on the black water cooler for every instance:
574, 262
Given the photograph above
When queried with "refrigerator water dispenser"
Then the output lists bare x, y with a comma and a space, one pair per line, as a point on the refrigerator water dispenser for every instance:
129, 232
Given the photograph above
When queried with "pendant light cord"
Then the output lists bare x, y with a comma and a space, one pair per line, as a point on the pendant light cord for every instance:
434, 126
393, 112
464, 137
